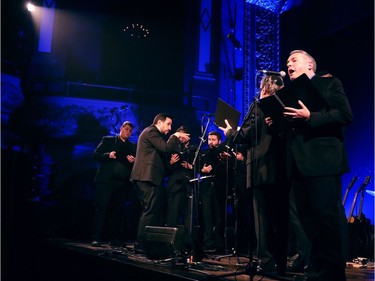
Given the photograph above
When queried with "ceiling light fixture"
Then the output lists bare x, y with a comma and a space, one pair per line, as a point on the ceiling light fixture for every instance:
137, 30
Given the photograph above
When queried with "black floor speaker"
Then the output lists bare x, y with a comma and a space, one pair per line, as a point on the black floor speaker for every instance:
163, 242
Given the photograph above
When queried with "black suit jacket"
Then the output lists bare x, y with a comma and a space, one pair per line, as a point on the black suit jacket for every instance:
149, 164
107, 166
266, 150
318, 148
175, 171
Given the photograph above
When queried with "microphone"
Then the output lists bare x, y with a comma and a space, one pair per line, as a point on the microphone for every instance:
230, 149
270, 72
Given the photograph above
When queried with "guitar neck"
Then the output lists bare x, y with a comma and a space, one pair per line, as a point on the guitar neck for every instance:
360, 207
360, 189
350, 185
352, 207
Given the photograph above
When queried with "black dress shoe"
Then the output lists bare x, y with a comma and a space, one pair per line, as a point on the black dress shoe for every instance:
307, 268
139, 248
270, 271
308, 276
281, 271
297, 266
296, 269
116, 243
324, 275
220, 251
299, 278
96, 243
208, 249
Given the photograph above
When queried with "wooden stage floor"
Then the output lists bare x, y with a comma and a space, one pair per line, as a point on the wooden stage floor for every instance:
64, 260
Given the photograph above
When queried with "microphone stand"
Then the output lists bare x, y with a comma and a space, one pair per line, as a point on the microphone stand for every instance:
193, 206
226, 228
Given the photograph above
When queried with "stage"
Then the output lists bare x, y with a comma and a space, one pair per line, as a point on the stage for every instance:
62, 259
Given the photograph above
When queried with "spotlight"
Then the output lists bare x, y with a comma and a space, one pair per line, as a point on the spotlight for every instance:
30, 7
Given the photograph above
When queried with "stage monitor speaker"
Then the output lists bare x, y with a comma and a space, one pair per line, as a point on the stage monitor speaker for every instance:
163, 242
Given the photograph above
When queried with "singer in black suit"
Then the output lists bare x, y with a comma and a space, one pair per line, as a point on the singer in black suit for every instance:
215, 162
317, 161
149, 171
178, 186
116, 155
267, 179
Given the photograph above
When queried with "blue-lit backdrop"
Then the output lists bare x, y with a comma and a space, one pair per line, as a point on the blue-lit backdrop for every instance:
56, 106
